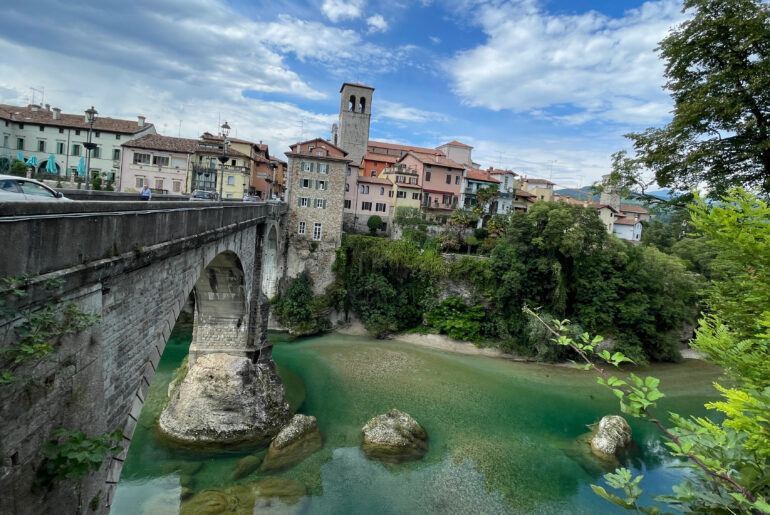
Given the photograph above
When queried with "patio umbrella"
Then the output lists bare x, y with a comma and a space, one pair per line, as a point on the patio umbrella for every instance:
32, 161
20, 156
50, 166
82, 166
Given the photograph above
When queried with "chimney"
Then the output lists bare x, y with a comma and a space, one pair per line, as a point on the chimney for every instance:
56, 113
140, 121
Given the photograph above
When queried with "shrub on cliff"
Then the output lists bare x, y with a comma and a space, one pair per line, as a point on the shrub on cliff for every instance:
299, 310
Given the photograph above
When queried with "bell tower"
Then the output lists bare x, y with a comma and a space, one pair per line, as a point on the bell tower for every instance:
355, 115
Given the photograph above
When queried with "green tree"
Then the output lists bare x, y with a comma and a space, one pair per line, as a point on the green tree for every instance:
374, 224
717, 66
298, 309
484, 199
19, 168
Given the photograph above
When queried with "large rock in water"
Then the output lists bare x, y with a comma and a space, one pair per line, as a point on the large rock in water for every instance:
612, 436
245, 499
226, 399
299, 439
394, 437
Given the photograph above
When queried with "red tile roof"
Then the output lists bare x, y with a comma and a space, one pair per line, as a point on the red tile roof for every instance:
522, 193
538, 181
404, 148
479, 175
496, 171
375, 180
355, 84
167, 143
382, 158
436, 160
626, 221
633, 208
76, 121
456, 143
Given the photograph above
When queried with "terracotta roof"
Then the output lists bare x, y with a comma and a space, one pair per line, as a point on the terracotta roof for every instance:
231, 152
479, 175
273, 158
496, 171
384, 158
522, 193
626, 221
633, 208
405, 148
76, 121
208, 135
357, 85
317, 139
539, 181
430, 159
375, 180
167, 143
456, 143
568, 200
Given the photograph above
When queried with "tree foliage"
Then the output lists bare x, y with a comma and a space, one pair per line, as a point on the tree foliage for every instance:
298, 309
717, 66
374, 224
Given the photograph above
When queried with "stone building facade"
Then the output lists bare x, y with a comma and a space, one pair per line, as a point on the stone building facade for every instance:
315, 195
355, 116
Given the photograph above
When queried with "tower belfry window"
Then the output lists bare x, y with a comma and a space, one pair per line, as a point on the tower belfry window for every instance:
352, 105
362, 105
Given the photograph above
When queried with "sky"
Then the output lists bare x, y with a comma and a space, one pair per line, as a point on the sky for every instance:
544, 87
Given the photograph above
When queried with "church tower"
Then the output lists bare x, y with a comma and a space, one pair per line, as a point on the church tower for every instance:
355, 115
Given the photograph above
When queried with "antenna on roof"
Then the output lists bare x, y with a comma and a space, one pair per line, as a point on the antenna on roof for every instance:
41, 91
179, 132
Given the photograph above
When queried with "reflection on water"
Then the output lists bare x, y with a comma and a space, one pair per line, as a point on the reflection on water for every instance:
504, 437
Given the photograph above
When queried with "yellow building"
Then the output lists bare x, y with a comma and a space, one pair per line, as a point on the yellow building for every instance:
207, 170
542, 189
406, 187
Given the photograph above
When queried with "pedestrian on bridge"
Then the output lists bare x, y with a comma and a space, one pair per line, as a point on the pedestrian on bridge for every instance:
146, 193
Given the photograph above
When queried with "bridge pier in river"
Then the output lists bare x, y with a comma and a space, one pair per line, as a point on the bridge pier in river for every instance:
134, 265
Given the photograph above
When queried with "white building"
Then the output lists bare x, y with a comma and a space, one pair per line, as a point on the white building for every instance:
40, 131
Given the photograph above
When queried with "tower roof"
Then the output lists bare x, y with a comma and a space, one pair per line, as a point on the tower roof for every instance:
355, 85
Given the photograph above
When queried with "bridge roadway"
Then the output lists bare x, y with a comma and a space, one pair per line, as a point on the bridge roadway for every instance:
134, 264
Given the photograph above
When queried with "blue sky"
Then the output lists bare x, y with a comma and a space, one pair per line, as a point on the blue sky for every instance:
546, 87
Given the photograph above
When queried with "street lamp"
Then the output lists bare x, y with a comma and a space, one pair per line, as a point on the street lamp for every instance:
90, 119
273, 167
223, 157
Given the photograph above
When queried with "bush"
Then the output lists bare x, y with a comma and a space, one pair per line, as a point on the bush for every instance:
299, 310
374, 224
457, 319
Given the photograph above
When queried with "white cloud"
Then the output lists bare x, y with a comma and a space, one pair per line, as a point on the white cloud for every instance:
337, 10
435, 40
377, 23
402, 113
573, 68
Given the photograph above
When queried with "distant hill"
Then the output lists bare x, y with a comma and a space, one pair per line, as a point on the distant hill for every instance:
578, 194
661, 194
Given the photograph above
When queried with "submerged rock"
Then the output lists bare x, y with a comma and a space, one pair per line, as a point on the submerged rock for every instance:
226, 399
613, 434
299, 439
246, 466
244, 499
394, 437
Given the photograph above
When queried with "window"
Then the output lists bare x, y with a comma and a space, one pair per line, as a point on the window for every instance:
319, 153
384, 226
390, 194
366, 206
449, 179
305, 183
415, 196
160, 160
61, 131
457, 179
30, 188
307, 167
20, 143
412, 180
320, 203
323, 168
316, 231
75, 150
177, 186
97, 152
301, 228
382, 190
363, 188
5, 141
21, 126
400, 178
140, 159
140, 182
158, 184
115, 154
77, 132
446, 199
373, 173
347, 172
401, 194
231, 180
348, 203
380, 207
229, 195
303, 202
117, 136
42, 128
320, 185
232, 163
347, 187
427, 176
41, 145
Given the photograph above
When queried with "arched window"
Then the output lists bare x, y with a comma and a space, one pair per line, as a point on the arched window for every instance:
352, 106
362, 105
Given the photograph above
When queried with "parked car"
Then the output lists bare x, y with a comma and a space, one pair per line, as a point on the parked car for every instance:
203, 196
252, 198
20, 189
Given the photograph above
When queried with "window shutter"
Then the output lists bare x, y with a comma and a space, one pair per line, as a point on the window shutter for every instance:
311, 166
324, 203
299, 201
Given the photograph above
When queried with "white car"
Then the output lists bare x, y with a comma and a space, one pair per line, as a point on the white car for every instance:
20, 189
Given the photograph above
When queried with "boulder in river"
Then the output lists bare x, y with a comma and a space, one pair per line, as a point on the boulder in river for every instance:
246, 466
244, 499
300, 438
226, 399
394, 437
613, 434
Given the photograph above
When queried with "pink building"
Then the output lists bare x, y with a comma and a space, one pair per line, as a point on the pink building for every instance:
441, 180
161, 162
364, 197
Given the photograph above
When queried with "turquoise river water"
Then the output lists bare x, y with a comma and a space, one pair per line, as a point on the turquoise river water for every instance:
504, 436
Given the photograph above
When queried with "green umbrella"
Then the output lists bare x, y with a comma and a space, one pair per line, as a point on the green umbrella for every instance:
82, 166
32, 161
50, 166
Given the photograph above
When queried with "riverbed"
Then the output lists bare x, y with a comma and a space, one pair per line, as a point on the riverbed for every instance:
504, 436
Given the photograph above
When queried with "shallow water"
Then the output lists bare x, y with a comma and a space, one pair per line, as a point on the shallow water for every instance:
503, 435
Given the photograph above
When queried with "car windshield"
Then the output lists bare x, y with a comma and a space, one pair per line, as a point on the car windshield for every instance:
9, 185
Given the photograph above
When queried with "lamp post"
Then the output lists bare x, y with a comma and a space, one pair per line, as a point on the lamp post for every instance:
90, 119
273, 167
223, 157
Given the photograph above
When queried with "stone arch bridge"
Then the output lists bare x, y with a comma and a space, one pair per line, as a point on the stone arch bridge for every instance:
134, 264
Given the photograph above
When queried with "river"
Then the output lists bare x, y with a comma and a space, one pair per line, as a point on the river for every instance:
503, 435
